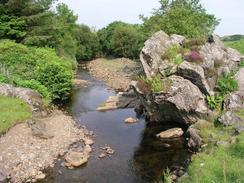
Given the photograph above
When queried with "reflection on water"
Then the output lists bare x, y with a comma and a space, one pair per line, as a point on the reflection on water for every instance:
139, 157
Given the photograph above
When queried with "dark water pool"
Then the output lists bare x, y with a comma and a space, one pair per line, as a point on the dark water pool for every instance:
139, 157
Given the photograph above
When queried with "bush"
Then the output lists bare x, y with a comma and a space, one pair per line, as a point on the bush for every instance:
31, 67
57, 80
173, 54
226, 84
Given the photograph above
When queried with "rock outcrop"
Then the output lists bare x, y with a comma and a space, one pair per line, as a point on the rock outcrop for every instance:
184, 100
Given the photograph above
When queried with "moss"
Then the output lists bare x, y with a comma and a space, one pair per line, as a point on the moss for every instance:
12, 111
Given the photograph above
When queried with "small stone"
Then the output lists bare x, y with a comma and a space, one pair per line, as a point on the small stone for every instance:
88, 142
102, 155
131, 120
40, 176
171, 133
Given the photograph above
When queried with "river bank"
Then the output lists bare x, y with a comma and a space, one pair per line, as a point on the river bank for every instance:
116, 73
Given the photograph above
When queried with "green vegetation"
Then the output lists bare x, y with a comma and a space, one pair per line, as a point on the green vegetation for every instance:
226, 84
238, 45
154, 85
12, 111
184, 17
37, 68
173, 54
223, 163
120, 39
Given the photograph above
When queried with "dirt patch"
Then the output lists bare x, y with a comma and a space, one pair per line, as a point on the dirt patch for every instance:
117, 73
23, 156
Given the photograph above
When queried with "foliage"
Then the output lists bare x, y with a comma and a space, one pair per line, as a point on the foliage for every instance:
241, 64
173, 54
57, 80
12, 111
154, 85
121, 39
238, 45
38, 68
184, 17
217, 164
226, 84
214, 102
88, 46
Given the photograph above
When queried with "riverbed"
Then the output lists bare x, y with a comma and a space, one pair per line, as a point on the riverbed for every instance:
139, 156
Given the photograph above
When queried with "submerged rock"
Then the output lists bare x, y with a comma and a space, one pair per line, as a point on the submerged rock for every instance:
120, 101
76, 159
171, 133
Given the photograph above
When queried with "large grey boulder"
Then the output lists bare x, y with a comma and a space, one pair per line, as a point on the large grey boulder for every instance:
29, 96
182, 103
153, 50
216, 56
195, 74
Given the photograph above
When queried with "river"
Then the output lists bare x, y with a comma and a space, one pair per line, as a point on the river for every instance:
139, 157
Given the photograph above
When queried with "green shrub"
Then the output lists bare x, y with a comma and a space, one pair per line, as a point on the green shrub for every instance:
214, 102
154, 85
242, 64
37, 68
173, 54
57, 80
226, 84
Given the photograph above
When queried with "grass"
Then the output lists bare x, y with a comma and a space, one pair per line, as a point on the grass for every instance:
173, 54
12, 111
217, 164
238, 45
154, 85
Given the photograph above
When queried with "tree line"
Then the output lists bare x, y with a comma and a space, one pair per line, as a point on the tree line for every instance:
40, 44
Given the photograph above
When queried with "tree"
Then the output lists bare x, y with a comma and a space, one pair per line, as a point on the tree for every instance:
185, 17
121, 39
88, 46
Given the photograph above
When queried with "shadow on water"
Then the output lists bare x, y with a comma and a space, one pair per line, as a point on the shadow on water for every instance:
139, 157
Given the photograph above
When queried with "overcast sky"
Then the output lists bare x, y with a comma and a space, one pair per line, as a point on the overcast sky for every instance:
99, 13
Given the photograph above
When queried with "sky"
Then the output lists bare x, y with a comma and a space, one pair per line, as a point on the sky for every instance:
99, 13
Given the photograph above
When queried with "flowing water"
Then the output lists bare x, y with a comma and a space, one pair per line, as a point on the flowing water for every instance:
139, 157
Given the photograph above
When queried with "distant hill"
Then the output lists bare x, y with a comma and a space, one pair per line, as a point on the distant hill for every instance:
235, 37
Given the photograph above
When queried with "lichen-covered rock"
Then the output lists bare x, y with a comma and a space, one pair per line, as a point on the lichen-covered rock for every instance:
153, 50
216, 56
182, 103
233, 101
230, 118
195, 74
194, 141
